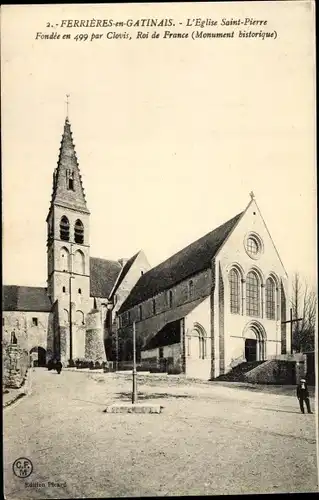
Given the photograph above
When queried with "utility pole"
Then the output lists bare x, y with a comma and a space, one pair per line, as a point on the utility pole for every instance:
291, 321
134, 392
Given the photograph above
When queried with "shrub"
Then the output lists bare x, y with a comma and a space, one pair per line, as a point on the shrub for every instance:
155, 370
174, 370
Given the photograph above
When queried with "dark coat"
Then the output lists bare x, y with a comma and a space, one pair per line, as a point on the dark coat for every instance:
302, 393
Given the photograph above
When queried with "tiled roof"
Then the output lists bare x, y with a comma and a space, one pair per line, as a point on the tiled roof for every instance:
71, 198
172, 317
192, 259
168, 335
25, 298
103, 274
124, 272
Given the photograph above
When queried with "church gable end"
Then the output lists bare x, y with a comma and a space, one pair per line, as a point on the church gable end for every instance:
191, 260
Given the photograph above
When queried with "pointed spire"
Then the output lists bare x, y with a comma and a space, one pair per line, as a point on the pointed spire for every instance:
67, 182
67, 106
252, 195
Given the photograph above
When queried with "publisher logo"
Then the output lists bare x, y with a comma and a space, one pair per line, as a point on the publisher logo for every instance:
22, 467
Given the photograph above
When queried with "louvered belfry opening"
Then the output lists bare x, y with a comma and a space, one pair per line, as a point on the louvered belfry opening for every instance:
78, 232
64, 229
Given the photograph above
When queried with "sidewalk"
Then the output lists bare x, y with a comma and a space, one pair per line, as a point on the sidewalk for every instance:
14, 395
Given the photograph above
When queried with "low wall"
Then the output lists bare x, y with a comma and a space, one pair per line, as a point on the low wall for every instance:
275, 372
16, 362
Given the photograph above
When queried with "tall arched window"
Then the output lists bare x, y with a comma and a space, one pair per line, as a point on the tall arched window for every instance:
270, 299
252, 294
79, 260
170, 298
65, 259
202, 345
64, 229
153, 306
65, 316
234, 283
79, 318
78, 232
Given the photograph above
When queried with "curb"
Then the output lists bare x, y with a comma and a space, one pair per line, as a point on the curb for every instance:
25, 390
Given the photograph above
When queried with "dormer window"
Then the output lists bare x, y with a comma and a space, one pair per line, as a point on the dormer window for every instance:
70, 180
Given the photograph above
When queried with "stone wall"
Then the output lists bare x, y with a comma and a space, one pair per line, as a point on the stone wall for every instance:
221, 324
274, 372
198, 320
16, 362
172, 360
30, 328
94, 343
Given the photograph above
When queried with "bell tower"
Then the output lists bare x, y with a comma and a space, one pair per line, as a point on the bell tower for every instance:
68, 247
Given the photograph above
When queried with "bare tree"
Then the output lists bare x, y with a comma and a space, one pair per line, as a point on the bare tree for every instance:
304, 306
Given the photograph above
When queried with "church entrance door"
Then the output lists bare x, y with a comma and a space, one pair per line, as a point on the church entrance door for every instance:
38, 354
251, 349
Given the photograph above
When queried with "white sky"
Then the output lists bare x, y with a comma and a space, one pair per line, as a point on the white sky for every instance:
171, 135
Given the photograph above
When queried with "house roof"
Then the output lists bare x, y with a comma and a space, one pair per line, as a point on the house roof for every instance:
25, 298
192, 259
123, 273
103, 275
168, 335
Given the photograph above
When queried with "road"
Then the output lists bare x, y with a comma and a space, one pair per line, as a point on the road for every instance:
209, 440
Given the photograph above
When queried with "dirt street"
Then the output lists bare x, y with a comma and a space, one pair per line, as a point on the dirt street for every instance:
210, 439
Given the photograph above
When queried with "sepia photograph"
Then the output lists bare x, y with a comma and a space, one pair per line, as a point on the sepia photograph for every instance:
159, 248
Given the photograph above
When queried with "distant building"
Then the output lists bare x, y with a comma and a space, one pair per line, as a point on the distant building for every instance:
216, 303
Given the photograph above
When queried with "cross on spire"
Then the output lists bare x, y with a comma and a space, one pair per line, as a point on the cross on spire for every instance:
252, 194
67, 105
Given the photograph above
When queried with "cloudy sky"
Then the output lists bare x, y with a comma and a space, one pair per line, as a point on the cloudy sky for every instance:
171, 134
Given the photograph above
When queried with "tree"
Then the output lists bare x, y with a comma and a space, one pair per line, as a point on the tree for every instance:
304, 305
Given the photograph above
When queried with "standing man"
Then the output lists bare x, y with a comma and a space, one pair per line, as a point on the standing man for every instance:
303, 395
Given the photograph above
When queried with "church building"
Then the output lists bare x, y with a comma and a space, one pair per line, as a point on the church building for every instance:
70, 318
215, 304
218, 302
